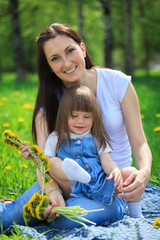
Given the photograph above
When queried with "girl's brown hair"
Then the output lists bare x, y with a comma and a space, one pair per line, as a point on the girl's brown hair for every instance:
80, 98
51, 87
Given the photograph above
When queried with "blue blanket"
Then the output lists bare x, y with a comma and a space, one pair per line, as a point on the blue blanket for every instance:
127, 228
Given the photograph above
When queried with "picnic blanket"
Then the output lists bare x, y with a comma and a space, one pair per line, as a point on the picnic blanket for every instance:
125, 229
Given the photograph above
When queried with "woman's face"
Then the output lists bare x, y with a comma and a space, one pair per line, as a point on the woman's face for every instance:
66, 59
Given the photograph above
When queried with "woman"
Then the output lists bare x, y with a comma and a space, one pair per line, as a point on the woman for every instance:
63, 62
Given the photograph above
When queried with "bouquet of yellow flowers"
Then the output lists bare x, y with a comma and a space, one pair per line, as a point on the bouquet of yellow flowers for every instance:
39, 202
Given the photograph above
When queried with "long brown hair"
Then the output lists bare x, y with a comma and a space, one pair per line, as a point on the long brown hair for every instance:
51, 87
80, 98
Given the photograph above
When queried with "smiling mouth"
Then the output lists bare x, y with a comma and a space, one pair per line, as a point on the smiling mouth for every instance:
79, 128
72, 70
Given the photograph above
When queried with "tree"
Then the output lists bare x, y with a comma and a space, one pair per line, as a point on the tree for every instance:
129, 57
17, 41
108, 42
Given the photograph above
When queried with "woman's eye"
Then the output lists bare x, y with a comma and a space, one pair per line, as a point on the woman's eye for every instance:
70, 50
54, 59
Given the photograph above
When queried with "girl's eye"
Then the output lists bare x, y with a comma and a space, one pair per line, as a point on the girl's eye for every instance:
87, 116
74, 116
70, 50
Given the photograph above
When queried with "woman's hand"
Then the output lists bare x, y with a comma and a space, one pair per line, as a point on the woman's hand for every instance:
57, 200
116, 174
24, 151
134, 186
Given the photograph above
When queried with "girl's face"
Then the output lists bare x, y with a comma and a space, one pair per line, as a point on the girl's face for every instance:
66, 59
80, 122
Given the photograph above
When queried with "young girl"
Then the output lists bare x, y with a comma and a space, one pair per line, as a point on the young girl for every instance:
81, 141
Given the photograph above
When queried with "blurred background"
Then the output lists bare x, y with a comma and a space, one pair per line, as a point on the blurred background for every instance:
120, 34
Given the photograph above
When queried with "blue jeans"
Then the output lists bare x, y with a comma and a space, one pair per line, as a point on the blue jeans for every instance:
13, 212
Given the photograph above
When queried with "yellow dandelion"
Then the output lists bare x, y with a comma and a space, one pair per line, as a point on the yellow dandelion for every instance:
158, 115
4, 99
28, 106
157, 129
27, 213
34, 202
144, 87
156, 223
142, 116
48, 180
41, 207
24, 165
21, 120
1, 103
6, 124
16, 93
11, 139
8, 168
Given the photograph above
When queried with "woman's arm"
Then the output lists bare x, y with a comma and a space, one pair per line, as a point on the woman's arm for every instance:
136, 183
111, 169
55, 196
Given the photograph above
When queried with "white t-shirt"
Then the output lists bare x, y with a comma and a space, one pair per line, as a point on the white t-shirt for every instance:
50, 147
111, 88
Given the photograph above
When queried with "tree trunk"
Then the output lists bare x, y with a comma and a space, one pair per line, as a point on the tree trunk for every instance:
108, 33
17, 42
144, 37
128, 51
81, 19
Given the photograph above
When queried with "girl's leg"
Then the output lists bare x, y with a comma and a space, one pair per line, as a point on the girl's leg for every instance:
114, 211
13, 212
68, 169
133, 207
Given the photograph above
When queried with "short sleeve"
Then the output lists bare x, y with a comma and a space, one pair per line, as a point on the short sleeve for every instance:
102, 150
50, 147
120, 84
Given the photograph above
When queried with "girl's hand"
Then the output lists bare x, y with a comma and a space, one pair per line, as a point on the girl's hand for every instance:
117, 176
24, 151
135, 185
57, 200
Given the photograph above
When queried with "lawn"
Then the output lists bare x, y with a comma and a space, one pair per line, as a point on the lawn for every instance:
16, 108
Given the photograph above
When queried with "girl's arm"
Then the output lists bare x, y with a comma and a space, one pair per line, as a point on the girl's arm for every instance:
111, 169
136, 183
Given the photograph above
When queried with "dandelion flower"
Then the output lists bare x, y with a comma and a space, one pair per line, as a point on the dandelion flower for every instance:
4, 99
158, 115
28, 106
142, 116
21, 120
27, 213
144, 87
6, 124
1, 103
8, 168
16, 93
24, 165
156, 223
11, 139
157, 129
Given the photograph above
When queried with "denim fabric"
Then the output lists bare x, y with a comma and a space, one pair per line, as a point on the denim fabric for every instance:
13, 212
84, 151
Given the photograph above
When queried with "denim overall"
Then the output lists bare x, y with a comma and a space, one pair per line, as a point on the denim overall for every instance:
84, 151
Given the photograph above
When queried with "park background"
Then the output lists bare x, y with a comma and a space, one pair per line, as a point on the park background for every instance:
122, 34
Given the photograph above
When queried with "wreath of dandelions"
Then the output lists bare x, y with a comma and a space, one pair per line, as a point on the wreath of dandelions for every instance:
39, 202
